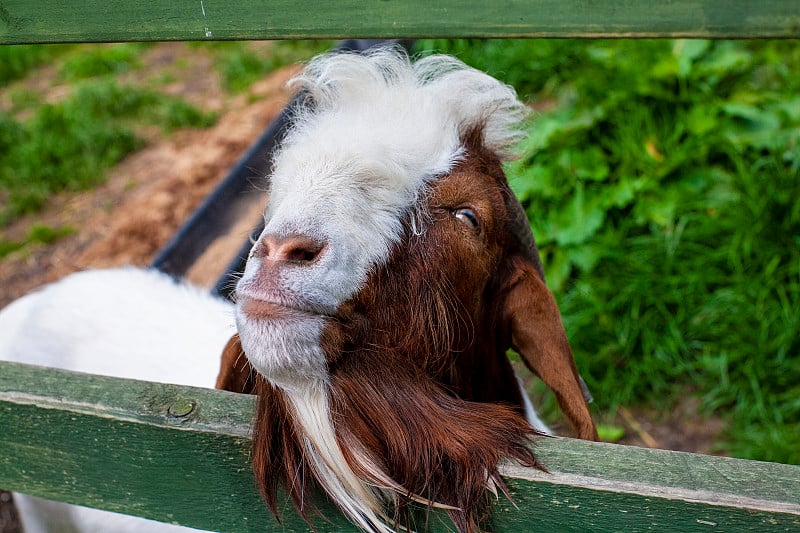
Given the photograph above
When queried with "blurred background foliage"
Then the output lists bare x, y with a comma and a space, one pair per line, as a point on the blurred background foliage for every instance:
662, 180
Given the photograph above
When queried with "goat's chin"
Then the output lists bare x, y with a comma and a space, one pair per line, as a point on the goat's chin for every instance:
285, 347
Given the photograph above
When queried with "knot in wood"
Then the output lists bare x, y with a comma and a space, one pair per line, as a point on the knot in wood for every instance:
181, 408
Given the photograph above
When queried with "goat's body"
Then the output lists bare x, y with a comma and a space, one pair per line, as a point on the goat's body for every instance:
127, 323
130, 323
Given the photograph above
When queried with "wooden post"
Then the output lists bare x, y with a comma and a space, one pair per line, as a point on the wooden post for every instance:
180, 454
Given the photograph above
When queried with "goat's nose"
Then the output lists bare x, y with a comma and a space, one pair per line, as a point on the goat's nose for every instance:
289, 248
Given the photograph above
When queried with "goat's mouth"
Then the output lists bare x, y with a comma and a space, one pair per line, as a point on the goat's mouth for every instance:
256, 309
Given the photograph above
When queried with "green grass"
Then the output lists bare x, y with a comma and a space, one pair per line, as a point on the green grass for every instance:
239, 64
70, 145
16, 62
38, 234
664, 191
90, 61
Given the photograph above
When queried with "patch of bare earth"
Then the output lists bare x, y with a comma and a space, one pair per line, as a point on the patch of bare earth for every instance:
683, 428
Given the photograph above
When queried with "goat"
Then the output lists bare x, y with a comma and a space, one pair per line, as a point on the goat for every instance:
394, 271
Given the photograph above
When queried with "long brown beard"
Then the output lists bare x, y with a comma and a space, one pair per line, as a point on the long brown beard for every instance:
440, 449
402, 433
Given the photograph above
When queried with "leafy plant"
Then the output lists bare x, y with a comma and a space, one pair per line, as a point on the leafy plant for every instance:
664, 191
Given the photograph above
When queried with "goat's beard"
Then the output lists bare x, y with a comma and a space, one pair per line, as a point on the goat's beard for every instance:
398, 438
295, 443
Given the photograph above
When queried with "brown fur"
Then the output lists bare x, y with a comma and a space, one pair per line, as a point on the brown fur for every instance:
436, 446
277, 452
419, 380
235, 373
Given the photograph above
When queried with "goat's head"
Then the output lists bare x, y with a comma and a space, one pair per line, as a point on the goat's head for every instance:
394, 271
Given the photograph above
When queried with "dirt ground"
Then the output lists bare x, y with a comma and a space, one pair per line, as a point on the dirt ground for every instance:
152, 192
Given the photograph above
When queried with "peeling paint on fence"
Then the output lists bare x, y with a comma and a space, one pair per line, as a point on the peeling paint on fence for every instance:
205, 20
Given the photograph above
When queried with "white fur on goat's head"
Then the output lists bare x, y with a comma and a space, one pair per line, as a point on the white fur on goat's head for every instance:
385, 288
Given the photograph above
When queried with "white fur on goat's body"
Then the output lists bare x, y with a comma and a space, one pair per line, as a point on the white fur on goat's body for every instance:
350, 170
129, 323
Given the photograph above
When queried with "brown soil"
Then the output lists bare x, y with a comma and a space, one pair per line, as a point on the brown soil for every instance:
684, 428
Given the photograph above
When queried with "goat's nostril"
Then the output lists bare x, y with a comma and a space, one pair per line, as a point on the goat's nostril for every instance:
292, 248
302, 251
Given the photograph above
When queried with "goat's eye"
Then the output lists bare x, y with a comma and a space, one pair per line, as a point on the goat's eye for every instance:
467, 215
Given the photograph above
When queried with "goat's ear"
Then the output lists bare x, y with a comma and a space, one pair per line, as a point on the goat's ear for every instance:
235, 373
531, 313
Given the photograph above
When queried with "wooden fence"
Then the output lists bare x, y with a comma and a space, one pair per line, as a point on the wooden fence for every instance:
35, 21
180, 454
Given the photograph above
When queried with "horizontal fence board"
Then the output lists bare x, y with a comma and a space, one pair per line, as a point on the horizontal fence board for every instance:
180, 454
36, 21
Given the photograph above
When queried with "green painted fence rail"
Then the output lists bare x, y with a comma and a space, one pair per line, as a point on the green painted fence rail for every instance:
180, 454
40, 21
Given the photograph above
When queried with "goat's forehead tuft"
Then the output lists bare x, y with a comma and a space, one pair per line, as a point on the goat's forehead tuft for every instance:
381, 127
436, 96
